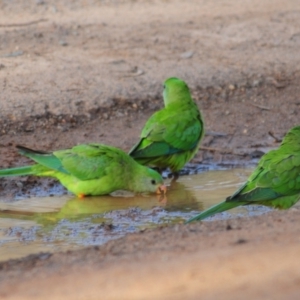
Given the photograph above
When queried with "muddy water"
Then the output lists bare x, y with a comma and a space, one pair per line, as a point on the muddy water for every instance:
51, 224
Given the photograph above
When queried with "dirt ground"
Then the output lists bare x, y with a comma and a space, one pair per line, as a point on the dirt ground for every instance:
92, 71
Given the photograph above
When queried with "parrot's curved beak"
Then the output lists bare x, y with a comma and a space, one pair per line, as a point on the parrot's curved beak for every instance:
162, 189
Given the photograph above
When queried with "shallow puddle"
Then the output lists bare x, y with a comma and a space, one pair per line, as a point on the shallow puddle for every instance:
51, 224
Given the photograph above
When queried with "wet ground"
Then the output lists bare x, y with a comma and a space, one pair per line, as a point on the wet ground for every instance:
92, 71
60, 223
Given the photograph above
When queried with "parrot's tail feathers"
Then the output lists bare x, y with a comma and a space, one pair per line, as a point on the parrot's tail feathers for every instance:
24, 150
218, 208
27, 170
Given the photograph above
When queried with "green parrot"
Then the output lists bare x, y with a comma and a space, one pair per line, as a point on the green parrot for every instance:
171, 137
91, 169
275, 182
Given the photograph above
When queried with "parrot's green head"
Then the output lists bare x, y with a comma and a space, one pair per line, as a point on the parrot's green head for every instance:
148, 180
176, 90
292, 138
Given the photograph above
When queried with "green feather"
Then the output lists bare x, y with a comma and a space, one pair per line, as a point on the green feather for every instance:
43, 158
274, 183
218, 208
171, 136
27, 170
92, 169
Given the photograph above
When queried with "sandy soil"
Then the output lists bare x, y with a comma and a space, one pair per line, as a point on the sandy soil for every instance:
249, 258
83, 71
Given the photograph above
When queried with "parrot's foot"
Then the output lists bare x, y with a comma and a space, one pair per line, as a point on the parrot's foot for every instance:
174, 176
81, 196
162, 199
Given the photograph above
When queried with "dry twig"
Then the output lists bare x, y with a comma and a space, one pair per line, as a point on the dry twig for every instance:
277, 140
260, 106
23, 24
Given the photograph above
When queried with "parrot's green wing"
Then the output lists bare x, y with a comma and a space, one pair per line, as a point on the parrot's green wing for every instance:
275, 182
276, 176
164, 135
90, 161
84, 162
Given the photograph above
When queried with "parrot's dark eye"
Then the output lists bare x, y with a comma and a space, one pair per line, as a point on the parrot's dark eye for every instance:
164, 86
153, 181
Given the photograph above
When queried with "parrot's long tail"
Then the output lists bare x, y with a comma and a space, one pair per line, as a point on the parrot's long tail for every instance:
223, 206
27, 170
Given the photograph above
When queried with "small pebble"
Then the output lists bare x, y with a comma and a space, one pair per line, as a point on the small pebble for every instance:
187, 54
63, 43
19, 184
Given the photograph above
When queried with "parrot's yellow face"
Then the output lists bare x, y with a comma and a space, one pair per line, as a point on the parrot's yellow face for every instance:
148, 180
